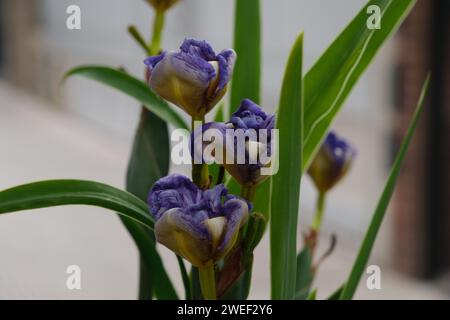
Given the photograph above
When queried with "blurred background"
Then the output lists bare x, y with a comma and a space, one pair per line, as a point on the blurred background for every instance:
83, 130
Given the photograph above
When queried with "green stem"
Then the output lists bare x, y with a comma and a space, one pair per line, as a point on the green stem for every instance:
317, 221
248, 192
200, 172
208, 282
134, 32
221, 175
158, 26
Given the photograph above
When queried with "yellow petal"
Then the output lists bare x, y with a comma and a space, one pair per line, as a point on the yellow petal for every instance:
182, 240
216, 227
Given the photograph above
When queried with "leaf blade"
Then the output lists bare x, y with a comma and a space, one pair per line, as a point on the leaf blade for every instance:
149, 161
305, 276
377, 218
285, 203
53, 193
331, 79
131, 86
247, 43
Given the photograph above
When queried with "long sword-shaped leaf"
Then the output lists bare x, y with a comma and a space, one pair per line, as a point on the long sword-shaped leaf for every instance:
247, 43
149, 161
246, 84
247, 79
331, 79
305, 275
286, 183
336, 293
74, 192
151, 265
369, 239
133, 87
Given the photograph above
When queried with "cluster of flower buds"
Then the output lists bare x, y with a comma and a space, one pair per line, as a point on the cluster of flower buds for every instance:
202, 225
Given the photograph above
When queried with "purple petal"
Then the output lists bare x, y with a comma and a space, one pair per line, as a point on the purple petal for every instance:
174, 191
192, 224
151, 62
249, 116
188, 66
196, 143
213, 199
226, 59
269, 123
199, 48
339, 149
236, 212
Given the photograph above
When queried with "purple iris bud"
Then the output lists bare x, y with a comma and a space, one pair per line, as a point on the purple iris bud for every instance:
162, 5
331, 163
201, 226
194, 78
245, 142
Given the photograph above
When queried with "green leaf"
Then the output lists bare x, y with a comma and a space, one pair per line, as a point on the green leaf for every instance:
196, 291
263, 198
149, 161
134, 32
377, 218
247, 79
286, 183
331, 79
220, 113
153, 275
150, 155
185, 278
312, 295
241, 288
337, 293
53, 193
247, 43
133, 87
246, 84
305, 275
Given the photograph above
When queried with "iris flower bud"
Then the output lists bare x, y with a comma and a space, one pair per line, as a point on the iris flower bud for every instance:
248, 118
331, 163
162, 5
194, 78
201, 226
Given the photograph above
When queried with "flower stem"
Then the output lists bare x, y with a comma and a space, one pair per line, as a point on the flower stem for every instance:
221, 175
208, 282
248, 192
158, 26
317, 221
200, 172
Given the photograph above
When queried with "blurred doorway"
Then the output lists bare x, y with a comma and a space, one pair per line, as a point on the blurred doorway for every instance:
422, 220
